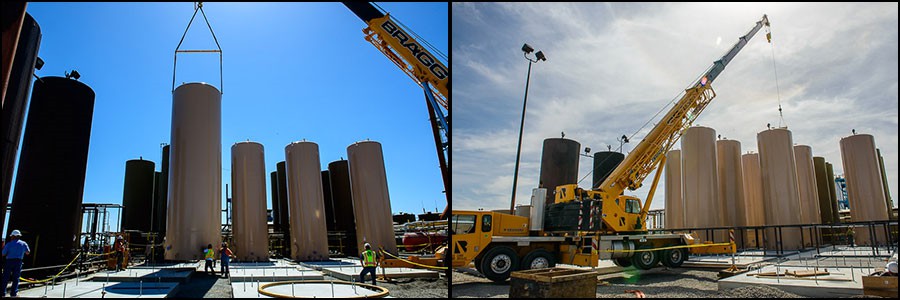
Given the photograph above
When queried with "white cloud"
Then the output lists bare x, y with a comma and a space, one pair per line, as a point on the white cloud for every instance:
611, 67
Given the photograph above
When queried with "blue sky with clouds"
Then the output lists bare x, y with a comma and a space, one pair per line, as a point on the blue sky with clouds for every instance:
611, 66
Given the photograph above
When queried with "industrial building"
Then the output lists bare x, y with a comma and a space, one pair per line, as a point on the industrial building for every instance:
329, 220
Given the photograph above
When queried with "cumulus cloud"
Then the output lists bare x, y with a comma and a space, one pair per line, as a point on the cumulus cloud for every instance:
611, 67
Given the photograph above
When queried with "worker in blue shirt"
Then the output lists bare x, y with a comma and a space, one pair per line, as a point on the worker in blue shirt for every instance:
14, 250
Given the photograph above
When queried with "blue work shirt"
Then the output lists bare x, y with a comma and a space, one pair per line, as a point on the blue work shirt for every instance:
15, 249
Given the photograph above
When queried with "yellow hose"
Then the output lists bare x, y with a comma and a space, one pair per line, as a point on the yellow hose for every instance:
413, 263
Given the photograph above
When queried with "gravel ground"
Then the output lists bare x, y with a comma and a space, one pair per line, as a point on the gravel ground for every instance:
417, 288
656, 283
203, 285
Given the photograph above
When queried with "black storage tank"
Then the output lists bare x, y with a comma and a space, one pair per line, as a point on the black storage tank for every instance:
559, 165
604, 163
46, 204
283, 204
16, 97
342, 195
276, 209
137, 199
161, 200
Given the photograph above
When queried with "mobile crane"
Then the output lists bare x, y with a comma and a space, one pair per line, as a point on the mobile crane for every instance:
388, 36
609, 224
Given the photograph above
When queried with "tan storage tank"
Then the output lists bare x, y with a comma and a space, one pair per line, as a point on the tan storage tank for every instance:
887, 190
806, 182
864, 187
779, 181
674, 202
731, 185
832, 190
825, 200
371, 200
248, 184
754, 208
700, 188
194, 216
309, 235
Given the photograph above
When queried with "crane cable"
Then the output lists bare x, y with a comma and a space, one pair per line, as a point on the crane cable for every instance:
777, 88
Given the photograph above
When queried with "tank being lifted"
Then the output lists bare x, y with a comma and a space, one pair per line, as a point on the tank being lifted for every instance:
371, 200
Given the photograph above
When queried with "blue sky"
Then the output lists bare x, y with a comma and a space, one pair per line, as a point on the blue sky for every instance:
292, 71
611, 66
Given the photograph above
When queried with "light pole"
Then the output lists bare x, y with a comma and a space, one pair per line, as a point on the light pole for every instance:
539, 56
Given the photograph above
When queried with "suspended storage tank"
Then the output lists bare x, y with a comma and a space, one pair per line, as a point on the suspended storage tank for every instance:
46, 204
285, 208
754, 206
248, 184
806, 180
343, 205
825, 201
700, 187
674, 202
832, 190
137, 199
160, 200
16, 98
329, 201
864, 187
604, 163
781, 194
309, 236
195, 183
559, 165
371, 200
731, 185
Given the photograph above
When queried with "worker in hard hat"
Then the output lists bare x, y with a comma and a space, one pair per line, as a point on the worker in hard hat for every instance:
210, 255
14, 250
225, 256
369, 262
119, 247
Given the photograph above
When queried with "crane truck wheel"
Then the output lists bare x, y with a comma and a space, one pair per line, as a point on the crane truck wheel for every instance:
538, 259
622, 262
645, 260
498, 262
673, 258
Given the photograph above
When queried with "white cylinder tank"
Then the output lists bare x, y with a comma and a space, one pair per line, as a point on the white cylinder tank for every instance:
309, 235
371, 201
248, 183
194, 211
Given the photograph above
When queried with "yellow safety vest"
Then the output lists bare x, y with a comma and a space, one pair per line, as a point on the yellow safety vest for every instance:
369, 258
210, 254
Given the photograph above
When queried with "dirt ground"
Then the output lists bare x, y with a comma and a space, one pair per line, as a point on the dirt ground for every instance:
417, 288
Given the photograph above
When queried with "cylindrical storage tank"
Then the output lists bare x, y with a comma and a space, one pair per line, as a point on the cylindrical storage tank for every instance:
248, 185
822, 190
194, 217
285, 214
273, 182
674, 202
46, 203
523, 210
806, 182
604, 163
731, 186
832, 191
864, 187
329, 201
371, 200
699, 185
161, 205
887, 191
754, 206
137, 199
343, 205
13, 113
780, 191
559, 165
309, 236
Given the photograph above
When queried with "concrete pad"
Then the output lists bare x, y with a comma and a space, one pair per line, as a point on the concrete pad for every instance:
274, 274
318, 265
267, 264
842, 282
317, 290
352, 273
741, 260
142, 274
89, 289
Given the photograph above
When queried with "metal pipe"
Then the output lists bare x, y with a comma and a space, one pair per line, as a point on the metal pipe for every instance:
512, 205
